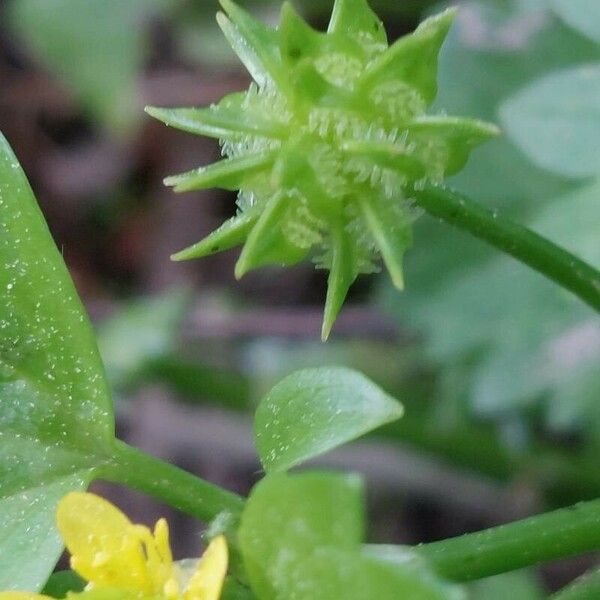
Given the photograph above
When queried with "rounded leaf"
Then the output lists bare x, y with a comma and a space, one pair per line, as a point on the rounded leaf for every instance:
315, 410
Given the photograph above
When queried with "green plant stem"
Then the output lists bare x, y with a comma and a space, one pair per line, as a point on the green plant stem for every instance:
523, 244
586, 587
558, 534
172, 485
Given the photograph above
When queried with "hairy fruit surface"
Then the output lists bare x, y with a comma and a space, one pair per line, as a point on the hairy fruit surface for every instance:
327, 142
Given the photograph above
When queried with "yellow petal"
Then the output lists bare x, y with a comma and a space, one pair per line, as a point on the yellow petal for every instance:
207, 581
106, 548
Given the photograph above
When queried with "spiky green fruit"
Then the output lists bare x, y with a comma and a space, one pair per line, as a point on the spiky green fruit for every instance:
326, 142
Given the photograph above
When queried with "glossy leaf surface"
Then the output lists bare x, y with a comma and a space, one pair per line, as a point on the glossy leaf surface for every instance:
139, 334
315, 410
301, 536
288, 516
56, 420
352, 575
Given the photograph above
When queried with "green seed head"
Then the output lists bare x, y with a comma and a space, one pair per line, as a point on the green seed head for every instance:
326, 143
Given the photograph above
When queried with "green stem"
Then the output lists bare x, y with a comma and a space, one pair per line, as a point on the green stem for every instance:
558, 534
523, 244
172, 485
586, 587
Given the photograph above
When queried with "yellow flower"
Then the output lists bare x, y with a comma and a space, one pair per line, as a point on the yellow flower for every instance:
127, 560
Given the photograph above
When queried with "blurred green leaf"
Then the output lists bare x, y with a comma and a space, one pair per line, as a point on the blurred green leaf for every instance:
556, 120
56, 421
583, 15
521, 585
97, 48
493, 50
474, 307
288, 516
533, 337
139, 334
315, 410
194, 381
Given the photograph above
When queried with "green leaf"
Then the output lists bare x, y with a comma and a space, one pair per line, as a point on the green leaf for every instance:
96, 47
520, 585
140, 333
556, 121
288, 516
527, 326
232, 590
333, 573
315, 410
582, 15
56, 422
232, 233
226, 174
477, 73
356, 18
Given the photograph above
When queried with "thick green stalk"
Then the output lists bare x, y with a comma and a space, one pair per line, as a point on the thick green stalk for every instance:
558, 534
523, 244
586, 587
172, 485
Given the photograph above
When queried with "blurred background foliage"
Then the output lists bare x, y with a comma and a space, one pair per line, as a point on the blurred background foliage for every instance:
498, 368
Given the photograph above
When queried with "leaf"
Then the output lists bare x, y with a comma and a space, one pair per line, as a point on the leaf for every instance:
315, 410
140, 333
556, 121
56, 423
288, 516
520, 585
227, 174
96, 47
232, 590
535, 338
300, 537
482, 63
582, 15
334, 573
356, 18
